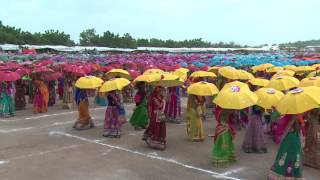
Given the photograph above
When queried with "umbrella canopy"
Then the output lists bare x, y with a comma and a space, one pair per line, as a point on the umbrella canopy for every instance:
114, 84
299, 100
268, 97
153, 71
53, 76
9, 76
114, 73
244, 75
284, 73
312, 81
314, 73
236, 97
274, 69
304, 69
259, 82
289, 67
88, 82
202, 74
148, 78
168, 80
203, 89
283, 83
229, 72
42, 70
261, 67
235, 83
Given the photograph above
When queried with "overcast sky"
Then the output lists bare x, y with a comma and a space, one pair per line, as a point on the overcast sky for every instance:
249, 22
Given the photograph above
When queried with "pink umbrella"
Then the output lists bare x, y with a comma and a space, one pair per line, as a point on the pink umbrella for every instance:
53, 76
9, 76
42, 70
23, 71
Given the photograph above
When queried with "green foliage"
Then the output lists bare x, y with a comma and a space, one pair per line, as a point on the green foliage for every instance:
13, 35
299, 44
89, 37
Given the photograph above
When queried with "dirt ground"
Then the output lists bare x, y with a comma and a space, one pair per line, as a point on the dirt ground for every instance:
44, 146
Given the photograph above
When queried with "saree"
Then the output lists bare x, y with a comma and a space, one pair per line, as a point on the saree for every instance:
254, 140
60, 88
67, 95
112, 120
52, 93
7, 107
155, 134
311, 156
173, 105
194, 119
20, 97
41, 98
84, 120
288, 162
139, 118
223, 148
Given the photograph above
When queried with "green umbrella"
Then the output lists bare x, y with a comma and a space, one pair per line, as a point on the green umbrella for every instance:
26, 78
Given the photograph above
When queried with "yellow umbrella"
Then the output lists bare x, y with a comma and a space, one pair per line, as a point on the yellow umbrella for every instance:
153, 71
114, 73
274, 69
304, 69
235, 83
236, 98
168, 80
284, 73
283, 83
88, 82
181, 74
299, 100
316, 65
148, 78
202, 74
214, 69
229, 72
203, 89
244, 75
289, 67
259, 82
261, 67
114, 84
268, 97
184, 70
314, 73
312, 81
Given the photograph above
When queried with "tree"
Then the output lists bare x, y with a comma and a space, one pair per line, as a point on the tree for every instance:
88, 37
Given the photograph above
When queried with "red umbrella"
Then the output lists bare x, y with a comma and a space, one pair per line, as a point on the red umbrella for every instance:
23, 71
52, 77
42, 70
44, 63
9, 76
78, 71
133, 73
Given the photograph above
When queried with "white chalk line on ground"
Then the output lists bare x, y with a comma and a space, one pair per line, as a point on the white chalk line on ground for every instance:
3, 162
7, 131
172, 161
46, 115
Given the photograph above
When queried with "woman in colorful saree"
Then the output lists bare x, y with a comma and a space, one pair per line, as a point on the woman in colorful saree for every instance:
84, 121
20, 97
254, 140
60, 88
113, 121
7, 107
311, 156
67, 92
288, 162
52, 93
41, 98
172, 109
155, 134
195, 118
223, 148
139, 118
